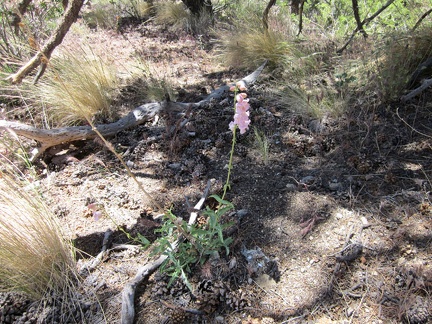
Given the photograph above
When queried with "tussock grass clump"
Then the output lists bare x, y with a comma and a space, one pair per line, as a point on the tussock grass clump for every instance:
397, 58
172, 13
249, 49
78, 87
176, 15
35, 257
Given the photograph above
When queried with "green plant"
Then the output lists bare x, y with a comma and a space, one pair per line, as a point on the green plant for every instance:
195, 243
263, 145
36, 258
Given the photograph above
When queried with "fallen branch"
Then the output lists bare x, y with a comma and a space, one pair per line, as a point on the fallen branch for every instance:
142, 114
87, 268
128, 294
425, 84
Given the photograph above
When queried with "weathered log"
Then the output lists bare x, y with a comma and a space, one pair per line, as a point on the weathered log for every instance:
142, 114
56, 136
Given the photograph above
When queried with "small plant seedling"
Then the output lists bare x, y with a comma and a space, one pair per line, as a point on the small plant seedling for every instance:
195, 243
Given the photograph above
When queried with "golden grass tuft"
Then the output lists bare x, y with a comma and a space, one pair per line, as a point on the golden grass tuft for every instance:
172, 13
396, 59
249, 49
78, 87
35, 257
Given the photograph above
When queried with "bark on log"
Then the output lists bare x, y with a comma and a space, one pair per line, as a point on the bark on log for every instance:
52, 137
44, 54
142, 114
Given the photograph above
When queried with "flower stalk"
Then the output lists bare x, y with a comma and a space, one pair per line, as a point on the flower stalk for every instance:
241, 121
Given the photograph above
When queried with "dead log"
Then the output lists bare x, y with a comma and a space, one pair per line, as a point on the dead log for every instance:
140, 115
51, 137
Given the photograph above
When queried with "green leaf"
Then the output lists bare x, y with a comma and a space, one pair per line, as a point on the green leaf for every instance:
143, 240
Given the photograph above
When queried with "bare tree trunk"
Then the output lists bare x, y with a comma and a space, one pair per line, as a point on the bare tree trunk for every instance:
301, 17
266, 13
22, 8
357, 18
198, 6
44, 54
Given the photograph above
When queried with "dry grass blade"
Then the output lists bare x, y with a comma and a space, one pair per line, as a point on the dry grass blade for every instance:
84, 91
35, 258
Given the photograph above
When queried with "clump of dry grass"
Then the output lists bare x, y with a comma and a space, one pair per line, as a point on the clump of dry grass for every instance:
35, 257
78, 87
249, 49
176, 15
172, 13
396, 59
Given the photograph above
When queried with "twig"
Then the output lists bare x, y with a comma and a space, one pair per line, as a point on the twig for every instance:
412, 128
128, 294
96, 261
364, 23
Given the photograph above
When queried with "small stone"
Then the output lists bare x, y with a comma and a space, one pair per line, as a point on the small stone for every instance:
349, 312
174, 166
308, 180
291, 187
334, 186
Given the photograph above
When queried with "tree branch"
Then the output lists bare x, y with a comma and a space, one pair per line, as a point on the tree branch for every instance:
266, 13
427, 13
357, 18
44, 54
364, 23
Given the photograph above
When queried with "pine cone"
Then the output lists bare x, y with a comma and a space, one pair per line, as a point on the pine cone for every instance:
178, 316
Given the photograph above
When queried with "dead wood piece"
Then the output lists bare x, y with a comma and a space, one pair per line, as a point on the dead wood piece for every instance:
96, 261
425, 84
144, 113
222, 91
51, 137
128, 294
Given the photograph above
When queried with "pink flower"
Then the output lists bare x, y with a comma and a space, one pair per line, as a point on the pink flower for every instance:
97, 215
241, 116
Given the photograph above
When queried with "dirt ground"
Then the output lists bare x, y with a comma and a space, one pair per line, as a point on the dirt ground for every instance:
334, 228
